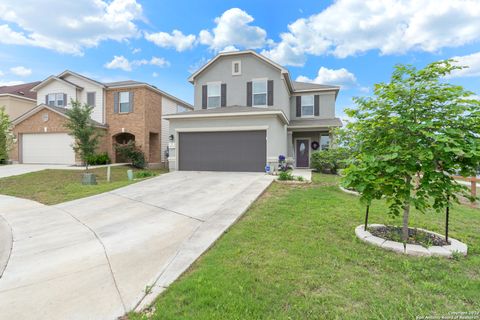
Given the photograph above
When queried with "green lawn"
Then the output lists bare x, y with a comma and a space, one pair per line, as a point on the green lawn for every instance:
294, 255
56, 186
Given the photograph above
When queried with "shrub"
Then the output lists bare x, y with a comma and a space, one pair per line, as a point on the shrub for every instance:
330, 160
98, 159
144, 174
133, 153
285, 176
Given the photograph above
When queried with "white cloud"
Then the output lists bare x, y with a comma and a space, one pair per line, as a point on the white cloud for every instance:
350, 27
68, 26
21, 71
159, 62
472, 61
120, 62
176, 40
341, 77
234, 29
136, 50
10, 83
229, 49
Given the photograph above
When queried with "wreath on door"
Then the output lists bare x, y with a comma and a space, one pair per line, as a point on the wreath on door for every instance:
315, 145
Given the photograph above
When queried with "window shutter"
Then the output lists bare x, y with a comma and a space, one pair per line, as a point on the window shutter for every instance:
130, 95
46, 99
115, 102
204, 97
249, 93
316, 104
270, 92
64, 100
298, 106
223, 99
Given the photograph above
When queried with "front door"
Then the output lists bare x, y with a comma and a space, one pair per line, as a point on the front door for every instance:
302, 150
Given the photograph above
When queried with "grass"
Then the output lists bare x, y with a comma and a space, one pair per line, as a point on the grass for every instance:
56, 186
294, 255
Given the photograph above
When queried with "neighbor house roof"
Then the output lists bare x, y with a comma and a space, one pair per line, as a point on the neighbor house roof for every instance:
58, 110
294, 86
232, 111
20, 90
315, 123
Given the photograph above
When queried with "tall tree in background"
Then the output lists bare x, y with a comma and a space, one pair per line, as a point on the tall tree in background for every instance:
411, 137
82, 130
6, 135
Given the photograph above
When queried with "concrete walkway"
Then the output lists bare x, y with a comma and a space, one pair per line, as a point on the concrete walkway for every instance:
94, 258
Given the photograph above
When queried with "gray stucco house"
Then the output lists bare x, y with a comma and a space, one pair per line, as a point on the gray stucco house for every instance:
247, 112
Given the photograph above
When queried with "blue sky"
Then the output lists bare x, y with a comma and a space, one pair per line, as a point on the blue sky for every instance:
352, 43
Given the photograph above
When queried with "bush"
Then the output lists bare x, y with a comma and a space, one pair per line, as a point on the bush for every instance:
330, 160
133, 153
144, 174
98, 159
285, 176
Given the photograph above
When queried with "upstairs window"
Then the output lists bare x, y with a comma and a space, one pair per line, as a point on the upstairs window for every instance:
56, 99
259, 88
236, 68
307, 106
124, 102
91, 99
213, 94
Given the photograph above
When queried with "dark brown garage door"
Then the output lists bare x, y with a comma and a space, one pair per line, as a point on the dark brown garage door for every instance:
223, 151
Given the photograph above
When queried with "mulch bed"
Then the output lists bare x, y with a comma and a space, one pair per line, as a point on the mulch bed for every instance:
415, 236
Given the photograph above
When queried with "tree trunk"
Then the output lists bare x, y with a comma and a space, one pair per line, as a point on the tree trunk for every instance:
406, 214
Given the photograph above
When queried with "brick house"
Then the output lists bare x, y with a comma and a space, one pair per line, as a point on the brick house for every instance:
123, 111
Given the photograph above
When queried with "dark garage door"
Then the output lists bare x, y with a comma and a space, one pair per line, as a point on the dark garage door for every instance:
223, 151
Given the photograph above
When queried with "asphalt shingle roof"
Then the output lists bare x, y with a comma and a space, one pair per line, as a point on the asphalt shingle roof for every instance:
21, 90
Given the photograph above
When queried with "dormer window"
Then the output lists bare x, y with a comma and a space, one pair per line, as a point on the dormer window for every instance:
213, 94
236, 68
56, 99
259, 92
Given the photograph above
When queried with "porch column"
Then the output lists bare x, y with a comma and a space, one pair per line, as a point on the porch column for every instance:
290, 147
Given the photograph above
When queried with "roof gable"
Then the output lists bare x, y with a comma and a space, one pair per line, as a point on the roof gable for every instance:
55, 78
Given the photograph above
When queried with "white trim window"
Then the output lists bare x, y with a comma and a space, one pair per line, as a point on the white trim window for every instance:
236, 68
259, 92
307, 106
56, 100
324, 142
213, 95
124, 102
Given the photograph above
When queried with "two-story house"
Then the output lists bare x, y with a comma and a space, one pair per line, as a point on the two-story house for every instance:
122, 111
247, 113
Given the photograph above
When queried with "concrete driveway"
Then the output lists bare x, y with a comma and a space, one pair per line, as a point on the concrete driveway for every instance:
96, 257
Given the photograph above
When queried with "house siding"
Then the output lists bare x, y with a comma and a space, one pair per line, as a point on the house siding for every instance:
252, 68
327, 105
168, 107
88, 86
57, 87
15, 107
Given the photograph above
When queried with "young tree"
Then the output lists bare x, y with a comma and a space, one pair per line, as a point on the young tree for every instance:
82, 130
6, 135
411, 137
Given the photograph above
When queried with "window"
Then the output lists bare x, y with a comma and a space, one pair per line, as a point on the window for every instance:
91, 99
307, 106
213, 94
259, 92
181, 109
56, 100
124, 102
324, 142
236, 68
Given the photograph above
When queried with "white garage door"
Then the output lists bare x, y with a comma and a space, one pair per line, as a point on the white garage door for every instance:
47, 148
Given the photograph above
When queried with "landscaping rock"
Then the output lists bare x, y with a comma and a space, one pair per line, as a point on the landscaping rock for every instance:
393, 246
361, 233
439, 252
457, 246
375, 240
417, 250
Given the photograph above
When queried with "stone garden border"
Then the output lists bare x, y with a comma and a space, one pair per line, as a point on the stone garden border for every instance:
355, 193
412, 249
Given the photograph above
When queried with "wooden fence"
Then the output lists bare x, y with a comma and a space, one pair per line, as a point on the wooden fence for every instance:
473, 183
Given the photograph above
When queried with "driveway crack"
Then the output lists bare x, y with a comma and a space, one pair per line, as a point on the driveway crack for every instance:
104, 252
159, 207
